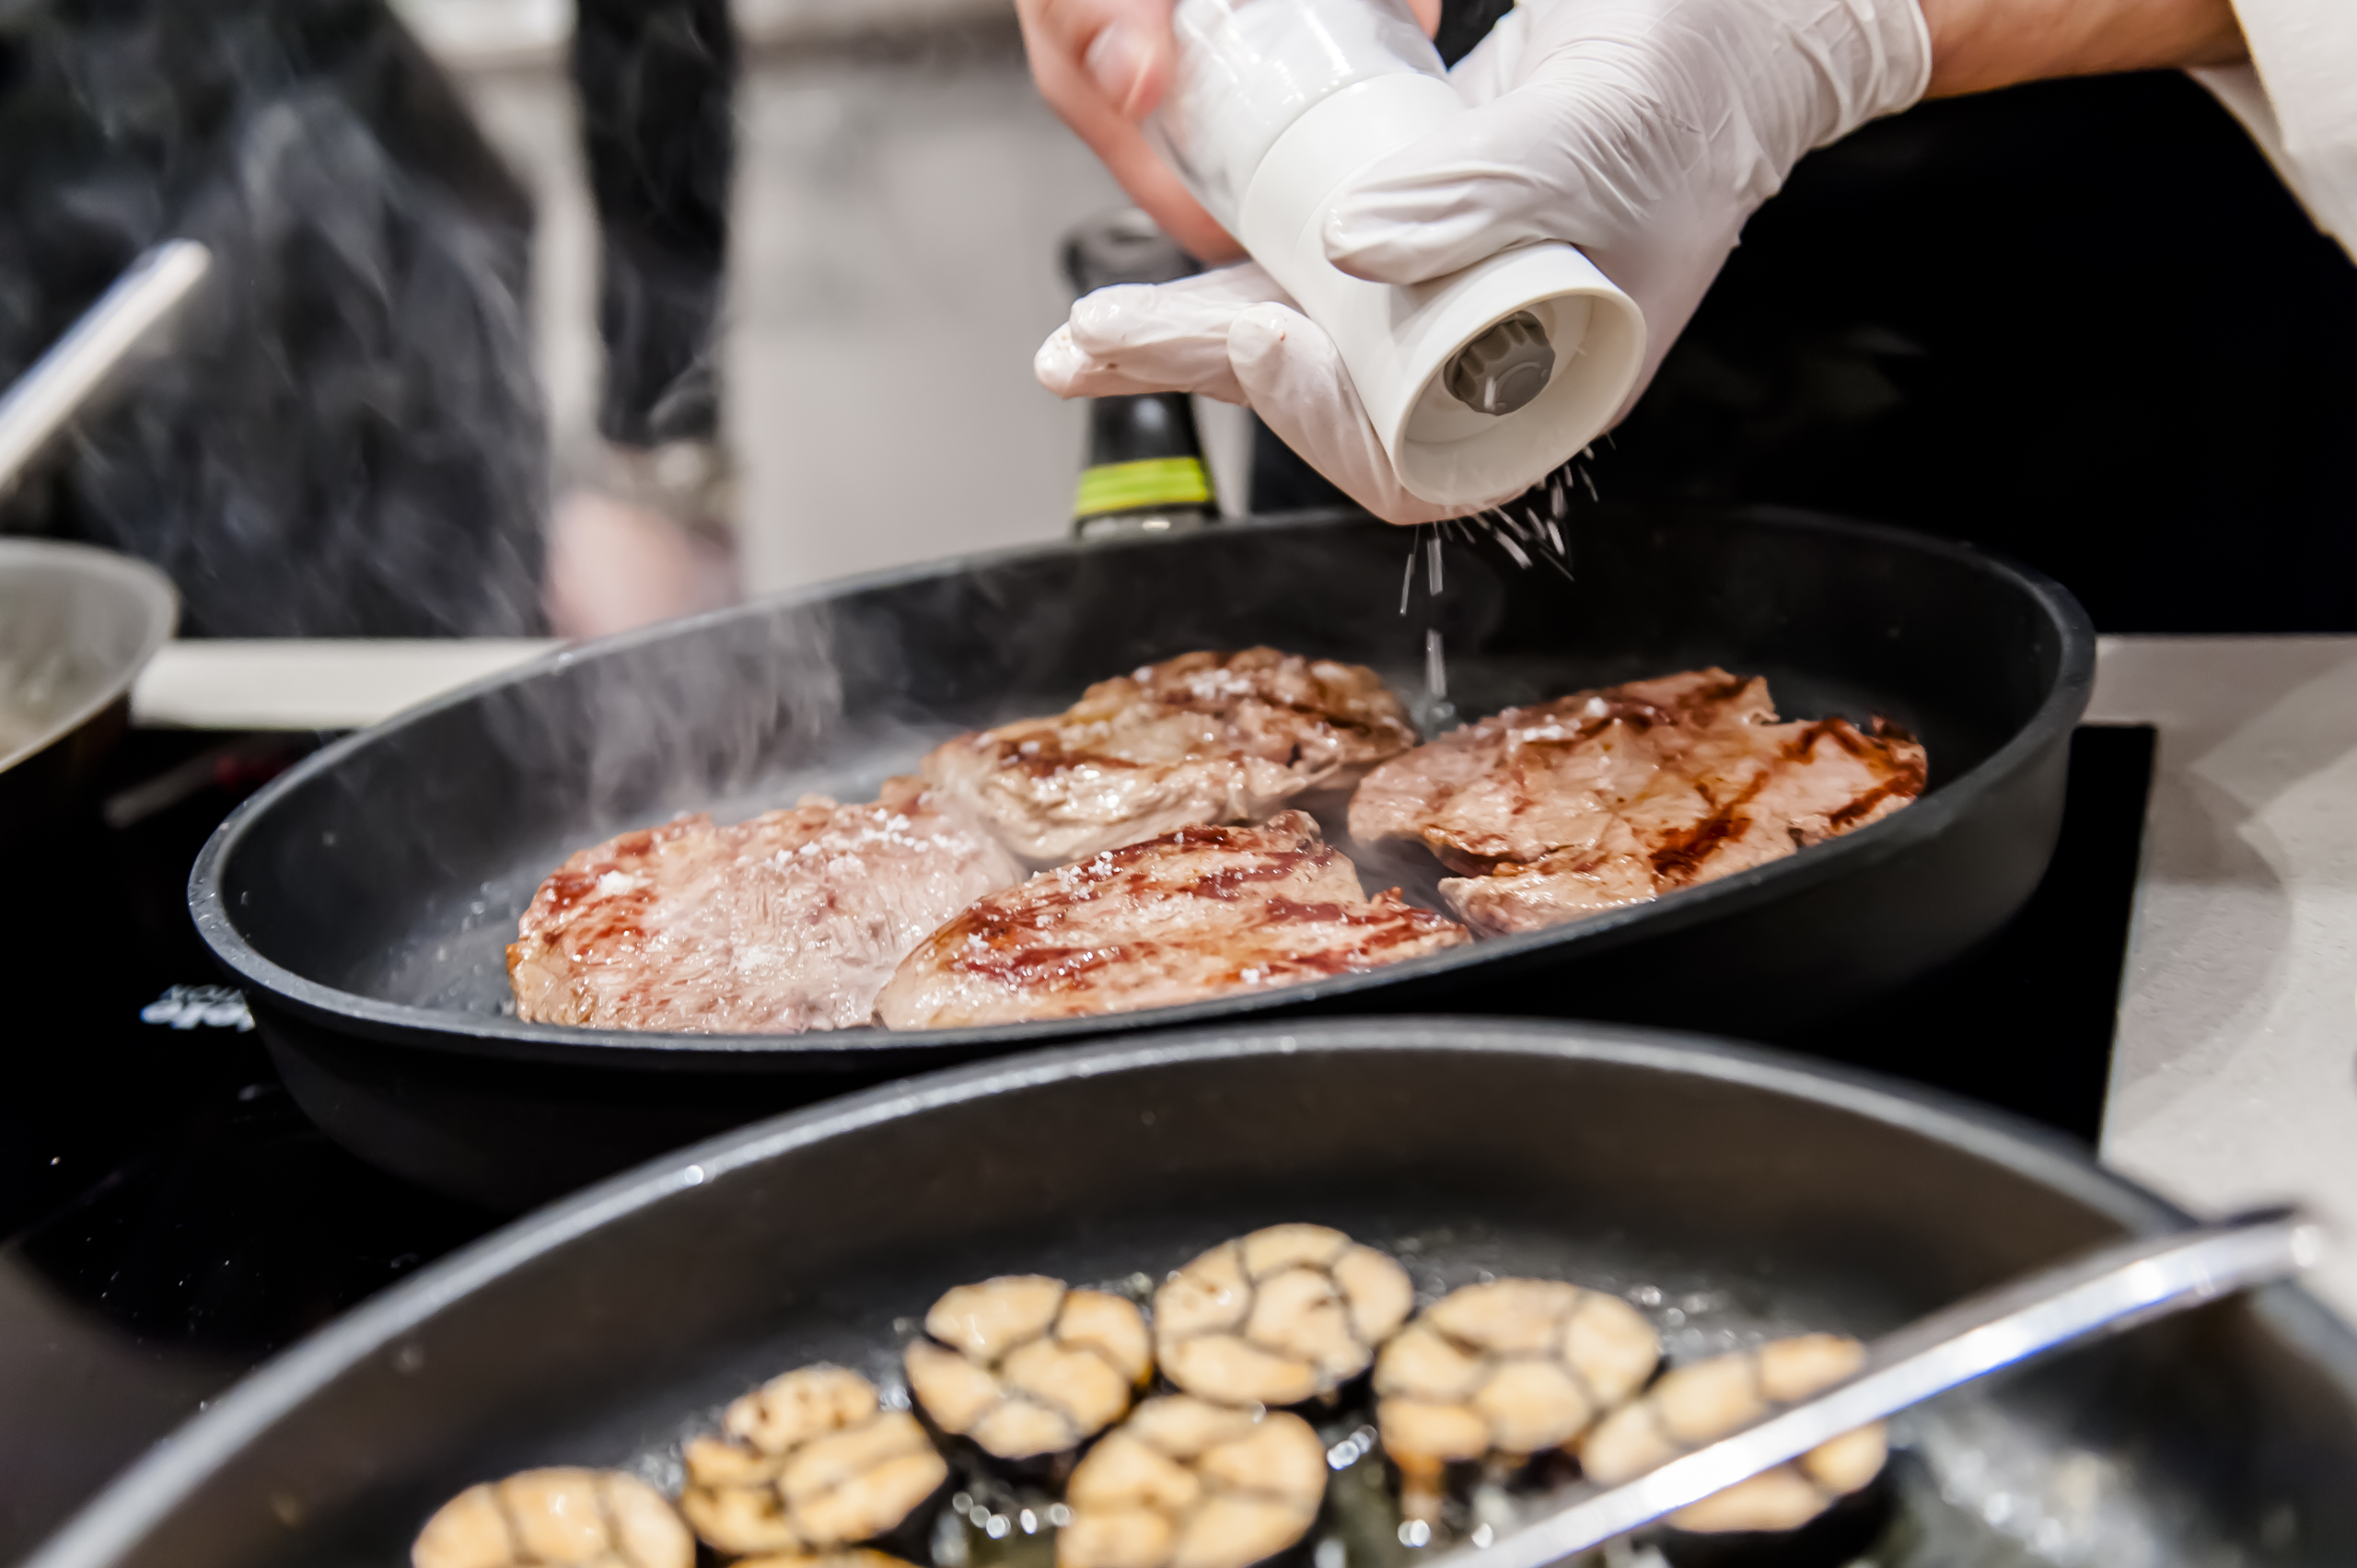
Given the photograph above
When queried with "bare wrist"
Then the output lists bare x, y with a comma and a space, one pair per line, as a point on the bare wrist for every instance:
1980, 44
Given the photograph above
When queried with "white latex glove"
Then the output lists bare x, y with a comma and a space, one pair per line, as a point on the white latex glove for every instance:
1643, 132
1234, 335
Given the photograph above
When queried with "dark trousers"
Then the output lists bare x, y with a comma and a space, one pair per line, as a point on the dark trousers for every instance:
655, 80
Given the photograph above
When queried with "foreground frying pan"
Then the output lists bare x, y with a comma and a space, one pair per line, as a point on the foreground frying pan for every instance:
365, 899
1730, 1191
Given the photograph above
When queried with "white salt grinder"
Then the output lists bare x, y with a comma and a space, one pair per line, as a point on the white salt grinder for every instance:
1480, 383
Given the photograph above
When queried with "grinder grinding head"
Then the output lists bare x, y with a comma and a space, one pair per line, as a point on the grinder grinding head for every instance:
1501, 370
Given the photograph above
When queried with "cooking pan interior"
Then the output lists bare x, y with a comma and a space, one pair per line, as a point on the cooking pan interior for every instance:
395, 868
1724, 1192
77, 626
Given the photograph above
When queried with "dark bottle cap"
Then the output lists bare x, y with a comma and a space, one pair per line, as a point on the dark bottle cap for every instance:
1121, 246
1145, 472
1146, 469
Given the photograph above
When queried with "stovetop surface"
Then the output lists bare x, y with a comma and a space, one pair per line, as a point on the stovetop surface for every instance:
172, 1220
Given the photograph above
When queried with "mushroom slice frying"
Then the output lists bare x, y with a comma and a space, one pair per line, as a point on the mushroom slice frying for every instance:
1511, 1367
574, 1517
1694, 1405
811, 1461
1024, 1366
1277, 1316
1186, 1484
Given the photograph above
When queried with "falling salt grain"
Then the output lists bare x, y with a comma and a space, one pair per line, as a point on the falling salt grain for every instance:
1436, 666
1407, 580
1432, 563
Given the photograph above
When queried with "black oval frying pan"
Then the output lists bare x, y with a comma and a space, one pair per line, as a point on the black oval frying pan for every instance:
365, 899
1726, 1191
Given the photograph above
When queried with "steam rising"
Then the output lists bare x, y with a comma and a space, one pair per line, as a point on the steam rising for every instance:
349, 440
441, 829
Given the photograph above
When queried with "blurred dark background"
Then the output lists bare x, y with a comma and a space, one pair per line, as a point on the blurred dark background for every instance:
2079, 322
348, 439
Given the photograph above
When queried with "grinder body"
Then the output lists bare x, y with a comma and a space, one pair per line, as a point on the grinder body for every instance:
1477, 383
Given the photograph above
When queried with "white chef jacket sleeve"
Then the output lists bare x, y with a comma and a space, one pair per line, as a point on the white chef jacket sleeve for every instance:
2298, 99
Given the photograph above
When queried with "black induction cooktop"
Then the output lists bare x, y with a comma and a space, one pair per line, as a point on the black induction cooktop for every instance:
172, 1220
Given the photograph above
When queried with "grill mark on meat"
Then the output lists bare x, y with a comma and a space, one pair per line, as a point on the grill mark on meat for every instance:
1842, 732
1289, 909
1055, 968
1612, 796
1197, 912
1678, 860
1856, 811
1724, 690
1904, 785
1203, 738
792, 920
1229, 881
1637, 715
1043, 759
1378, 924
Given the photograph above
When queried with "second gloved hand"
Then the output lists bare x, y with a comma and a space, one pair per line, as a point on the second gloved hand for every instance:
1643, 132
1234, 335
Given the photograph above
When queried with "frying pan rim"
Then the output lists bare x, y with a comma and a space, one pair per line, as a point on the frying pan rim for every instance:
141, 1496
158, 603
446, 1032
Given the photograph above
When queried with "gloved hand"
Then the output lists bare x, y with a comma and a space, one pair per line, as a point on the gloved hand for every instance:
1103, 65
1233, 334
1644, 132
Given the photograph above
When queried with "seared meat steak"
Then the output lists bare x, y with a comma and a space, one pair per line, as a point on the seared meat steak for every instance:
1203, 738
1198, 912
790, 921
1617, 795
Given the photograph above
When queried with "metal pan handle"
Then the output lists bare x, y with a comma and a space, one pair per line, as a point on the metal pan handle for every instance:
2100, 1292
76, 369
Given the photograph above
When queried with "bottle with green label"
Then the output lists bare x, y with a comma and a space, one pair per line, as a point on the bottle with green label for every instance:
1144, 471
